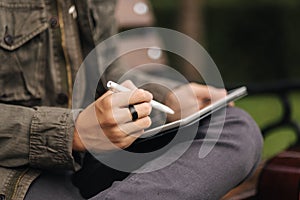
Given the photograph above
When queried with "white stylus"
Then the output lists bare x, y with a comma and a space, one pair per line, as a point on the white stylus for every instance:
155, 104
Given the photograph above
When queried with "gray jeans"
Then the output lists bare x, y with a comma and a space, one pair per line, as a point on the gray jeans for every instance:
234, 157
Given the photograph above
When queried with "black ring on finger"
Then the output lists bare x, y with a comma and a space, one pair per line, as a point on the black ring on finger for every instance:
134, 114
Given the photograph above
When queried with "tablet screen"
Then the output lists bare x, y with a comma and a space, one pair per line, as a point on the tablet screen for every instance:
231, 96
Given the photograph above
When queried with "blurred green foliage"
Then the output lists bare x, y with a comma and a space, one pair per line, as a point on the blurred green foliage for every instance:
251, 41
266, 109
240, 2
257, 40
173, 4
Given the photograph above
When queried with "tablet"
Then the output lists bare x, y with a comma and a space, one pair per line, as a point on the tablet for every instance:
231, 96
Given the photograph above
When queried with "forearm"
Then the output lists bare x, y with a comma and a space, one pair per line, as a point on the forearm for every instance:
40, 137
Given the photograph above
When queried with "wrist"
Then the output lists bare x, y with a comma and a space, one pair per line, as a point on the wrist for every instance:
77, 143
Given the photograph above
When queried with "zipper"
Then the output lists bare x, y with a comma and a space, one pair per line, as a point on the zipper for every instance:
22, 174
67, 60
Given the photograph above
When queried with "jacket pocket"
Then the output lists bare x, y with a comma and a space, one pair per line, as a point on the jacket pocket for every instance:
22, 49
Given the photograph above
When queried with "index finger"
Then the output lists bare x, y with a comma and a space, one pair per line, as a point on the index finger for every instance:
123, 99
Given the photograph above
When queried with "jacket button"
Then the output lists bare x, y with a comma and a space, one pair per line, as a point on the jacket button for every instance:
53, 22
2, 197
62, 99
9, 40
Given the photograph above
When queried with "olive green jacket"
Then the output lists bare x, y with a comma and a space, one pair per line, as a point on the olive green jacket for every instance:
42, 45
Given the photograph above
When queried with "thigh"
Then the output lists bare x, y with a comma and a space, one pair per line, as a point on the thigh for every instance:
51, 186
234, 156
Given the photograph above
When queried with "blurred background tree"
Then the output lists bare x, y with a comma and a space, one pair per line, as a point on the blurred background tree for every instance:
257, 40
251, 42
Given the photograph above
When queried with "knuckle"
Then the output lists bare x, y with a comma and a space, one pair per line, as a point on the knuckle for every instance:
104, 123
106, 103
115, 135
128, 82
147, 122
116, 138
124, 144
146, 108
109, 120
140, 94
98, 106
115, 132
101, 112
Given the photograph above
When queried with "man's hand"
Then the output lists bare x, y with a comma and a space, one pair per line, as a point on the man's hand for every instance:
107, 123
190, 98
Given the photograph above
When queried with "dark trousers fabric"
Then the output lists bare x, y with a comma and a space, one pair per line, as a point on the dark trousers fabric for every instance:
50, 186
232, 160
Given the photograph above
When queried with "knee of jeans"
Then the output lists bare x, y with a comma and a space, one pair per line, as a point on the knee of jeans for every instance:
247, 138
246, 129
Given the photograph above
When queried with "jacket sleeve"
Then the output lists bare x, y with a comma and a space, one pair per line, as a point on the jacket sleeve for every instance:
40, 137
